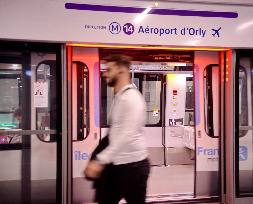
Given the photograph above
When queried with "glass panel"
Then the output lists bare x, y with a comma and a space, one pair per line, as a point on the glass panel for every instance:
179, 100
211, 100
245, 145
85, 98
103, 110
10, 91
149, 85
151, 90
106, 101
80, 125
44, 86
243, 104
45, 107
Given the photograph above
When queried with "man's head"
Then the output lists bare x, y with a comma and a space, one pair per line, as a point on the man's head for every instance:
117, 69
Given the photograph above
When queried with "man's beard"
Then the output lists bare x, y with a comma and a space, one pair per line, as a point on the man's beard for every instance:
112, 82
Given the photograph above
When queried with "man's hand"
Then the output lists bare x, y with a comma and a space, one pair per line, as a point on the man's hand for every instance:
94, 169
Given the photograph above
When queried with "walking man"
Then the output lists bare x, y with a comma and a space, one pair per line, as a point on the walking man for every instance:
126, 153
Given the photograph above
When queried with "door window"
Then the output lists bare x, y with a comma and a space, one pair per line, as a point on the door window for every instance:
211, 100
80, 101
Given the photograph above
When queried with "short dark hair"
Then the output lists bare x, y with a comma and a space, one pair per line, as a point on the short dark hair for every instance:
120, 60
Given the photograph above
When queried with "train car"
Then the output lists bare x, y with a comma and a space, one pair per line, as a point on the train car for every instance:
192, 62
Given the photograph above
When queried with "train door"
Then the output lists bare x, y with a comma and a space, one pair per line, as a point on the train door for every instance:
239, 129
30, 123
207, 122
83, 116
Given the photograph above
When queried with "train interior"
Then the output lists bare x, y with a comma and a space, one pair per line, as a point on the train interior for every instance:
182, 90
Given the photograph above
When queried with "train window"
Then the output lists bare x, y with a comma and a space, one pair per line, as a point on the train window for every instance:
211, 100
106, 101
149, 85
10, 111
80, 101
243, 104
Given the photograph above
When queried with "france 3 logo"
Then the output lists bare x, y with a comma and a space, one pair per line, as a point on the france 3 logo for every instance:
115, 28
243, 153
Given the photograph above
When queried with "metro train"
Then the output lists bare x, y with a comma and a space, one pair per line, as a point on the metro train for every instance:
192, 62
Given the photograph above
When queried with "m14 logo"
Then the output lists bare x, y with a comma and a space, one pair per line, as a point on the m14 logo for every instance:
115, 28
128, 29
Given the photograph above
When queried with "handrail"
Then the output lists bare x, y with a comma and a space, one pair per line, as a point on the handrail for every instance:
26, 132
163, 123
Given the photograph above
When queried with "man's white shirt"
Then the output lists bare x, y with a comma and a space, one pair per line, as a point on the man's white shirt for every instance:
127, 118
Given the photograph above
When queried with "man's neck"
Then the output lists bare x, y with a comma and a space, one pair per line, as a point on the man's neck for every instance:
120, 85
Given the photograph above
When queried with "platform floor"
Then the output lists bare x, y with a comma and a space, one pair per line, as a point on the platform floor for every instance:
170, 183
176, 179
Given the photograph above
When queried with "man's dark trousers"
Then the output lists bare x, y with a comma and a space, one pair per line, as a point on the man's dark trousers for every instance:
128, 181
